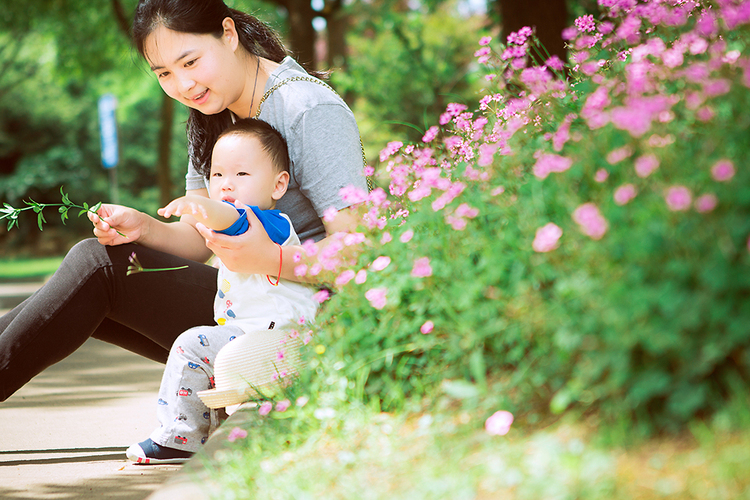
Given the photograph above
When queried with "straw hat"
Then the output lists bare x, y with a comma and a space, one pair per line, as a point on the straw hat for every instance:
252, 361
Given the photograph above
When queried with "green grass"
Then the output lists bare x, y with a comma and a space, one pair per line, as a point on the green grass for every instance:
446, 453
28, 268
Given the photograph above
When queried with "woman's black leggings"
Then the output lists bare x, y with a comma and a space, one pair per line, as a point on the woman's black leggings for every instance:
91, 295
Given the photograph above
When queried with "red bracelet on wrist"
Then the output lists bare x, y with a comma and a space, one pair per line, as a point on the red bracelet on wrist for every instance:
281, 259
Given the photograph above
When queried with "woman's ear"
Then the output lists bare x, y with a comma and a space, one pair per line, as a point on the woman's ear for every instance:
230, 33
282, 183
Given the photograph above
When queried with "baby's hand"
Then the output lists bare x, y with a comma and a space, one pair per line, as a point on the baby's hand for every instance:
185, 205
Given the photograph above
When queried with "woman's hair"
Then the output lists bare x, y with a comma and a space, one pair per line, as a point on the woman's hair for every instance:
271, 140
205, 17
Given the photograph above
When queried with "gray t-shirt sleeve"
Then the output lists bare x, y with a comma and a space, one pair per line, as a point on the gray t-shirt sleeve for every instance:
328, 155
194, 180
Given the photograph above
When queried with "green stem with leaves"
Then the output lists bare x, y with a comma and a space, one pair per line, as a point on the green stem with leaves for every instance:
12, 213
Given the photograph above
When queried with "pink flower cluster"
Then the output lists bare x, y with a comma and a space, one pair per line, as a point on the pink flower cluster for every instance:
547, 163
590, 220
546, 238
498, 424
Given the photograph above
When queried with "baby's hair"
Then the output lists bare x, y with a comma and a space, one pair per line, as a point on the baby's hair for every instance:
271, 140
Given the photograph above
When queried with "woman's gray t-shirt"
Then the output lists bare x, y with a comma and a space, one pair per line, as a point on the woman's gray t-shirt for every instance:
324, 148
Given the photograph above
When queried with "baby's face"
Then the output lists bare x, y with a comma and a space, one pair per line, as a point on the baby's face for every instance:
241, 170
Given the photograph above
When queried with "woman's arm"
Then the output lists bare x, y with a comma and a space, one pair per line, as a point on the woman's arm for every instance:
178, 238
254, 252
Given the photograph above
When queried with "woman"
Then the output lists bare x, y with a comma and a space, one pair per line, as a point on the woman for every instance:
221, 63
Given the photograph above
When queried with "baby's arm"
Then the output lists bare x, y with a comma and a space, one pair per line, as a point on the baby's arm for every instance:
213, 214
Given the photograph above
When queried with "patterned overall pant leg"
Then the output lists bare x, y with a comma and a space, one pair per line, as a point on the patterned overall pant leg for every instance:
185, 421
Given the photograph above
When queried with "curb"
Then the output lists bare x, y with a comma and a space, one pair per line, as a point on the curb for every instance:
193, 481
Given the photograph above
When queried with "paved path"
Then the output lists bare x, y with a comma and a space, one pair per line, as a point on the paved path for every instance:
64, 434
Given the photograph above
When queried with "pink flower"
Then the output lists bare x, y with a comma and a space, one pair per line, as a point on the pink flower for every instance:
457, 223
310, 248
407, 236
353, 239
723, 170
389, 149
645, 165
353, 195
455, 109
497, 191
300, 270
585, 23
345, 277
592, 222
360, 277
330, 214
486, 154
678, 198
548, 162
430, 134
380, 263
624, 194
265, 408
555, 63
377, 297
422, 268
283, 405
601, 175
385, 238
619, 154
464, 210
427, 327
321, 296
485, 40
235, 434
706, 203
546, 238
279, 355
499, 423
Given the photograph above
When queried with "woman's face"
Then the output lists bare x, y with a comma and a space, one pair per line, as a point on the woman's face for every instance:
200, 71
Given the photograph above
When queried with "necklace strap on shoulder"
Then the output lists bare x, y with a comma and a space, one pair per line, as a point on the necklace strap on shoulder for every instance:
370, 184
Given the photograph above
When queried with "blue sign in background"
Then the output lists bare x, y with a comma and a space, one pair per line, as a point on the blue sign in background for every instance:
108, 130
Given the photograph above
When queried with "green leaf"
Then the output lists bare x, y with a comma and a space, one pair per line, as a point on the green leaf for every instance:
65, 198
96, 207
459, 389
40, 220
478, 367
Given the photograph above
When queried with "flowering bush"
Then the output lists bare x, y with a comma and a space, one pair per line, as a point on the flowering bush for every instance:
582, 237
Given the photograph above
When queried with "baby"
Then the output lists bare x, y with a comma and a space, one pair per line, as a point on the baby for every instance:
250, 164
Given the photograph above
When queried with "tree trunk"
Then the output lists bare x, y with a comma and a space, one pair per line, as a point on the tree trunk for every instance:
166, 117
549, 17
163, 161
301, 31
337, 23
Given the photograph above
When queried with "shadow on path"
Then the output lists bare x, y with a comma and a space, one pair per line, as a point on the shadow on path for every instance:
128, 484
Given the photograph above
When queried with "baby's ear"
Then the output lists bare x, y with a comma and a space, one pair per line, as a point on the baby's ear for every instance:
282, 183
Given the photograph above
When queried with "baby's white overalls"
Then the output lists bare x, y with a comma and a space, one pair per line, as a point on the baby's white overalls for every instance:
244, 303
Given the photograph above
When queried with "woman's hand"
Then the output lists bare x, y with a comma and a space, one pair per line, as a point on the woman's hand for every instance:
252, 252
116, 224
